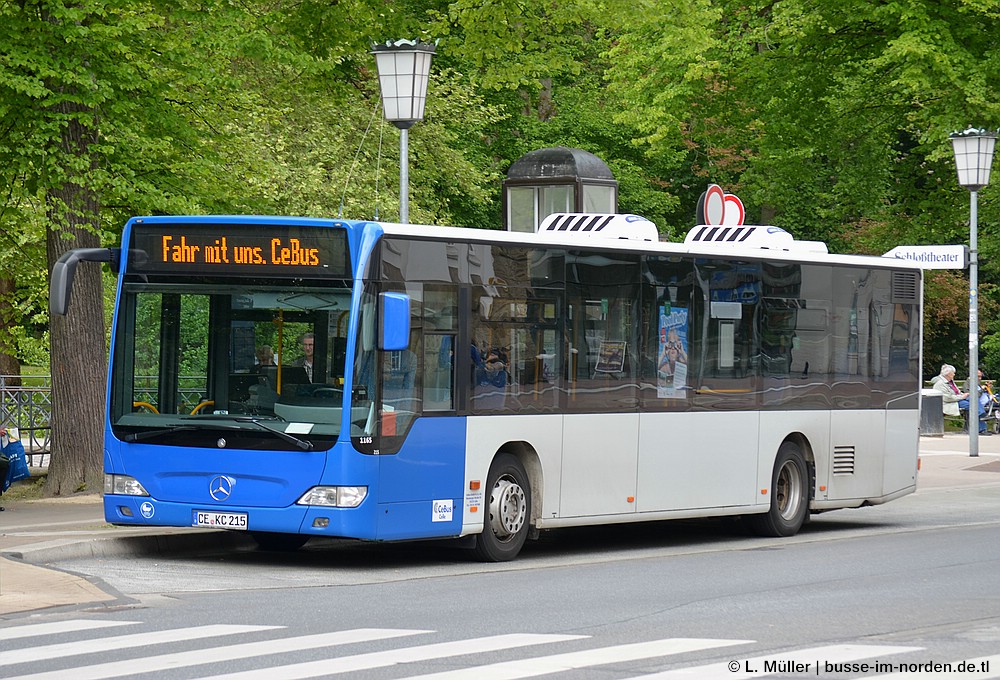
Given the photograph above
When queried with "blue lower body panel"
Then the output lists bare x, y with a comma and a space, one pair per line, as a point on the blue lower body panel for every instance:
420, 488
416, 493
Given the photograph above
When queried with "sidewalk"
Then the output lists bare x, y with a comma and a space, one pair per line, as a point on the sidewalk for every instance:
28, 524
44, 532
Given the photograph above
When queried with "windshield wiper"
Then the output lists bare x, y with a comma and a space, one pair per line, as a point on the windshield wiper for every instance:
214, 424
303, 444
137, 436
149, 434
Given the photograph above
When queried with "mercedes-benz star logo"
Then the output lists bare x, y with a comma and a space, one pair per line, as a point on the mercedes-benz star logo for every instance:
221, 487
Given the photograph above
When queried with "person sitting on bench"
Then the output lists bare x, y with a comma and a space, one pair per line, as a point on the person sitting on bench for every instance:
954, 400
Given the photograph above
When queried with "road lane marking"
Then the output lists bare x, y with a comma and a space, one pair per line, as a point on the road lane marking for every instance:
113, 643
348, 664
197, 657
56, 627
558, 663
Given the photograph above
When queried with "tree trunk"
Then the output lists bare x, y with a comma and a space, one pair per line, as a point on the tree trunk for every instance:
78, 353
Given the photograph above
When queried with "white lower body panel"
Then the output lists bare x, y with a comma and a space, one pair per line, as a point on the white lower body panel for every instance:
611, 468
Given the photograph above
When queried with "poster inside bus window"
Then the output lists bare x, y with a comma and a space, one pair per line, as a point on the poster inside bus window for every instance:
243, 249
671, 367
611, 358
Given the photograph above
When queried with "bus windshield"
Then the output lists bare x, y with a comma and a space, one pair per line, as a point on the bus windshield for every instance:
211, 355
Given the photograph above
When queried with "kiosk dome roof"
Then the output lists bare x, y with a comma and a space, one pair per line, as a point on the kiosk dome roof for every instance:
559, 161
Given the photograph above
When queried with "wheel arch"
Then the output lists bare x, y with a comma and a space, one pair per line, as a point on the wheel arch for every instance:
809, 455
528, 457
789, 490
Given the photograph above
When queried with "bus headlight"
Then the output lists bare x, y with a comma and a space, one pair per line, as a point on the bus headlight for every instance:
123, 485
334, 496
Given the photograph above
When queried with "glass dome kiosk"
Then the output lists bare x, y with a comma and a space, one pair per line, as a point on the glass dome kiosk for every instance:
556, 180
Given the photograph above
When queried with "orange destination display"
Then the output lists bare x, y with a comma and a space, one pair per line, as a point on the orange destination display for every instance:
305, 252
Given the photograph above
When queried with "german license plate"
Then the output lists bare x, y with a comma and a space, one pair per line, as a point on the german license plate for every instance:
220, 520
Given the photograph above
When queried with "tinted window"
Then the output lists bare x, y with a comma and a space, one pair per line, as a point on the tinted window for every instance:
602, 331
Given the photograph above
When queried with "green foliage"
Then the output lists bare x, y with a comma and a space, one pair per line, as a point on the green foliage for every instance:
660, 73
827, 118
513, 44
22, 259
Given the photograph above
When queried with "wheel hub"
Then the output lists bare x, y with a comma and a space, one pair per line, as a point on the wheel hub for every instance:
789, 490
508, 508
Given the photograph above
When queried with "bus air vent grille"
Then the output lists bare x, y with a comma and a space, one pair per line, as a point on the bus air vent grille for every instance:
905, 288
843, 460
763, 237
599, 225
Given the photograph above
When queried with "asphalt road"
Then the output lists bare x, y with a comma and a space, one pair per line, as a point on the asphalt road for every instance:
912, 583
905, 590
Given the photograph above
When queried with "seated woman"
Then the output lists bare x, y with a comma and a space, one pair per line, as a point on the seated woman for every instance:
954, 400
265, 357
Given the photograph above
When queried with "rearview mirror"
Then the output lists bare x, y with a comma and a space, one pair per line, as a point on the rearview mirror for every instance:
64, 269
395, 318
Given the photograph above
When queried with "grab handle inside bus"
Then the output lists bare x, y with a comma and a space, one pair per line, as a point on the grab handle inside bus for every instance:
64, 269
395, 320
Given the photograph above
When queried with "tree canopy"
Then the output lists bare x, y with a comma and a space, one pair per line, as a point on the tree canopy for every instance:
830, 119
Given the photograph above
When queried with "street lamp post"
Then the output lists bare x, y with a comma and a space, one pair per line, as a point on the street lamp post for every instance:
403, 68
973, 158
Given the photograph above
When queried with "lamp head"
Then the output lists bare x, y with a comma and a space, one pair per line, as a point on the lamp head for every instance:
403, 69
973, 156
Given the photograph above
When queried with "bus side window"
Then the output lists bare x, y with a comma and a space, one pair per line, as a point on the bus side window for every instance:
439, 372
602, 300
439, 325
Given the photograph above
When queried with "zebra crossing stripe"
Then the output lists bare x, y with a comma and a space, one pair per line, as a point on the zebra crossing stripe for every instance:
441, 650
152, 664
113, 643
72, 626
759, 665
557, 663
982, 668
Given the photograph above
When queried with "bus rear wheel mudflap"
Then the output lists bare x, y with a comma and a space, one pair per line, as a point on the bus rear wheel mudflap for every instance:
789, 505
509, 510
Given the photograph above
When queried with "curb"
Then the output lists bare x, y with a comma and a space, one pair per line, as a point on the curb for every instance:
162, 544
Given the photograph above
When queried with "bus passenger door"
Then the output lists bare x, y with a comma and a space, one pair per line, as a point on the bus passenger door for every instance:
699, 428
601, 425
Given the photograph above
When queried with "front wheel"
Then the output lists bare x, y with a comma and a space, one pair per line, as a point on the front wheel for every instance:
509, 510
789, 495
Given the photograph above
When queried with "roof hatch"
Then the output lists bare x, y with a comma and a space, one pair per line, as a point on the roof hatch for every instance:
600, 225
750, 236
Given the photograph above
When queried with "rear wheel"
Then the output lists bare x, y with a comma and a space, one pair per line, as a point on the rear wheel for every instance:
508, 508
277, 542
789, 495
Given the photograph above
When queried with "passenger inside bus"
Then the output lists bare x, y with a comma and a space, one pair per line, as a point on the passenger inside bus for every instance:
308, 349
264, 357
491, 378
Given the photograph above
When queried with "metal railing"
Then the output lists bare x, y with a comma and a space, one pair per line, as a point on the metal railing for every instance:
29, 409
190, 391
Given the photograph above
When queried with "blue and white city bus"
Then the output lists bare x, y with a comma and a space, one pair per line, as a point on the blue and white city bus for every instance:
483, 384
